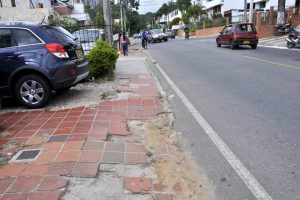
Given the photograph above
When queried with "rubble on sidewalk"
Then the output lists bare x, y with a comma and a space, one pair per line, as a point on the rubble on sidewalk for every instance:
122, 149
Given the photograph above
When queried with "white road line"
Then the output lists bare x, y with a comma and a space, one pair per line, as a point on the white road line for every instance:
272, 38
257, 190
277, 47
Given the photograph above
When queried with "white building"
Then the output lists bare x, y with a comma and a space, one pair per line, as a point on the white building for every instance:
220, 6
172, 15
214, 7
266, 4
37, 10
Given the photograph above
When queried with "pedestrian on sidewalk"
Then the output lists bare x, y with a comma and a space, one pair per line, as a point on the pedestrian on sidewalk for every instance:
124, 42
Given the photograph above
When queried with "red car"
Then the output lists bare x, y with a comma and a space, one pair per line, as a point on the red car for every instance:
238, 34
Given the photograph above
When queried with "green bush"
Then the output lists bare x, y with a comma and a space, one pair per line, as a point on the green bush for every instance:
102, 60
193, 29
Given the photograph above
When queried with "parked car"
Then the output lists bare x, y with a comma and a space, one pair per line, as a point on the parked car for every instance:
88, 38
238, 34
156, 35
36, 59
136, 35
171, 33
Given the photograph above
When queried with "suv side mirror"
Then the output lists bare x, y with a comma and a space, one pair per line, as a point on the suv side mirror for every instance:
221, 33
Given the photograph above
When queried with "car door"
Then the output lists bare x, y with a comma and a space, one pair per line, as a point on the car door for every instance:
222, 36
8, 58
228, 34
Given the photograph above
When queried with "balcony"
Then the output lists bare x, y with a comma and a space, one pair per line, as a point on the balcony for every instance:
213, 3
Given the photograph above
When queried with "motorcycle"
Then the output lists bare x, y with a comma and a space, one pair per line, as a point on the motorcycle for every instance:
293, 39
284, 28
187, 35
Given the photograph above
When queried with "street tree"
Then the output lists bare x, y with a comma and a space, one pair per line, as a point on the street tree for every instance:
183, 5
163, 10
281, 11
194, 12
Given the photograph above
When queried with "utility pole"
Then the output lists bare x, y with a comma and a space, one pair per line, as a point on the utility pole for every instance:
121, 11
245, 10
251, 11
107, 20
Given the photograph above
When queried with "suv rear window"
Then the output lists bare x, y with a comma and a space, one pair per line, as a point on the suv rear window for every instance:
245, 28
61, 34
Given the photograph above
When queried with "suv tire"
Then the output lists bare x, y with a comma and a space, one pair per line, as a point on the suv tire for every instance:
32, 91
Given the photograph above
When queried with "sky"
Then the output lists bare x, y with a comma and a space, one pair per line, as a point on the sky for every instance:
150, 5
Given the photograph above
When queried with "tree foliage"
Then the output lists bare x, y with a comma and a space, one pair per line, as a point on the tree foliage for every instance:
194, 12
166, 8
175, 21
183, 5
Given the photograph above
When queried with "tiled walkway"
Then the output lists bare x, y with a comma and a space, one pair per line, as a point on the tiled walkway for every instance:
74, 142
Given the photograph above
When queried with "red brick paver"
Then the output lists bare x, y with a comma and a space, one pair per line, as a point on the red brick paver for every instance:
86, 169
136, 158
73, 142
5, 183
11, 170
45, 195
138, 184
25, 184
50, 183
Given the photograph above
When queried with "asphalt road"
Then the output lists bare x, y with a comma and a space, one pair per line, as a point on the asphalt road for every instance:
251, 98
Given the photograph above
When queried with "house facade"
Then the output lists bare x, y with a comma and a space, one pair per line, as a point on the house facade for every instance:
169, 17
38, 10
214, 7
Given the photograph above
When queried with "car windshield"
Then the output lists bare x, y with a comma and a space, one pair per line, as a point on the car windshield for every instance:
156, 31
245, 28
86, 35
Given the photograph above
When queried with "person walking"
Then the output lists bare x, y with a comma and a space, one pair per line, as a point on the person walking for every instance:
144, 39
124, 42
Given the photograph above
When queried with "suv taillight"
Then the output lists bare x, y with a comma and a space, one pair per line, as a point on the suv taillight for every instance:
256, 36
57, 49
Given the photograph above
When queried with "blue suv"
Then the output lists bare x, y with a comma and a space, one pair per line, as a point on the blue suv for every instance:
37, 59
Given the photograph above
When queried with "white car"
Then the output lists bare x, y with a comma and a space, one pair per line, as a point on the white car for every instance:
88, 38
156, 35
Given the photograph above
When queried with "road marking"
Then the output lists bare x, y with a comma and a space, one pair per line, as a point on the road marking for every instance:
254, 186
277, 47
258, 59
274, 38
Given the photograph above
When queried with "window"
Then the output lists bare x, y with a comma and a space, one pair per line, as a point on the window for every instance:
13, 3
227, 30
24, 37
61, 34
262, 4
245, 28
6, 39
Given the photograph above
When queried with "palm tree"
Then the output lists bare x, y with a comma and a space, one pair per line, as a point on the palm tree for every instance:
281, 11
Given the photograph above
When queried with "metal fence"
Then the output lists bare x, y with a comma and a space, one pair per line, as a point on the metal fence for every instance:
87, 35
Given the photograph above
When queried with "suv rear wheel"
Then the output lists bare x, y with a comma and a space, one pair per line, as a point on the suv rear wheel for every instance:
32, 91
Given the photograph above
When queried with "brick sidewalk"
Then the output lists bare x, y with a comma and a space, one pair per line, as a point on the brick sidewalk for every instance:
77, 143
